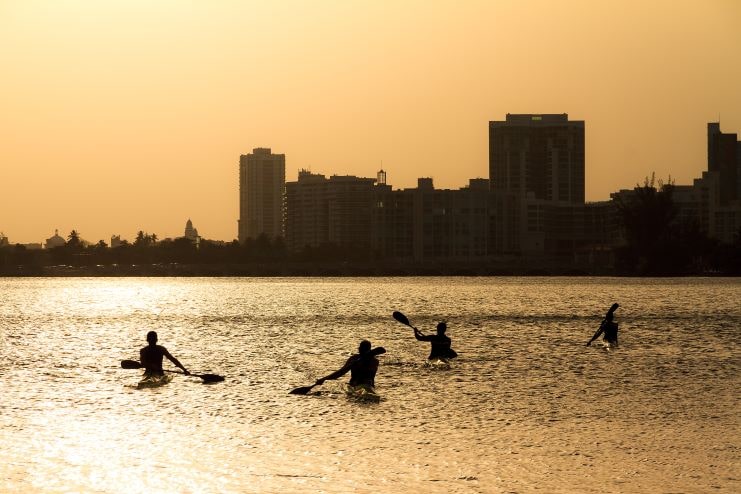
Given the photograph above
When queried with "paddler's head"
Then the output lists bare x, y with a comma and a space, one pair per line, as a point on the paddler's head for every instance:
152, 337
441, 327
364, 347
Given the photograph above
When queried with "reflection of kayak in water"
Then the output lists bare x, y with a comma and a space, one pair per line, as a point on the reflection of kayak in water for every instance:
363, 392
438, 363
153, 380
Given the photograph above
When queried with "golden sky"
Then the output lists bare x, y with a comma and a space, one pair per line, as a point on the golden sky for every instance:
126, 115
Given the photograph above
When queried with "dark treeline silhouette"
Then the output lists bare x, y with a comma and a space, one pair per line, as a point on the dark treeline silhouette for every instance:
147, 250
658, 243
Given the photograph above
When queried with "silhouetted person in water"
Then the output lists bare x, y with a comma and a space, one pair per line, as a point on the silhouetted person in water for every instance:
362, 366
608, 327
439, 343
151, 357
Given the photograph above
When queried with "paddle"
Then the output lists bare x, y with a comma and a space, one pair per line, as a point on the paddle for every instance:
207, 378
402, 319
303, 390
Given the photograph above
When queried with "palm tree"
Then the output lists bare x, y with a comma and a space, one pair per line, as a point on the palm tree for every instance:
73, 240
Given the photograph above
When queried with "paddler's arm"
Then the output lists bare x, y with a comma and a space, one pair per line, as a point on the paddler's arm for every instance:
338, 373
418, 335
596, 335
175, 361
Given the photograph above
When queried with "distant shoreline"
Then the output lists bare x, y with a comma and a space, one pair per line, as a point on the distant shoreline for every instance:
325, 270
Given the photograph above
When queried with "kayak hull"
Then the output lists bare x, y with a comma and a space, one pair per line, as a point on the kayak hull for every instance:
364, 393
153, 380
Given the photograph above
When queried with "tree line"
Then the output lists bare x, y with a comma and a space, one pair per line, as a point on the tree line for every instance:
659, 243
146, 249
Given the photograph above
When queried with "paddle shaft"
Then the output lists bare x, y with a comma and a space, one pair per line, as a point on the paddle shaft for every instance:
133, 364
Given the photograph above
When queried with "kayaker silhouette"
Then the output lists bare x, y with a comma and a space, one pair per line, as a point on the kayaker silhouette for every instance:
608, 327
151, 357
439, 343
362, 366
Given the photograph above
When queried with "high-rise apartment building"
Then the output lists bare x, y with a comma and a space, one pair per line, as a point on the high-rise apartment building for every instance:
262, 181
724, 157
541, 155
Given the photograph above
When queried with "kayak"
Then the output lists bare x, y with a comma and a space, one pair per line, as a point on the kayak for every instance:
363, 392
153, 380
438, 363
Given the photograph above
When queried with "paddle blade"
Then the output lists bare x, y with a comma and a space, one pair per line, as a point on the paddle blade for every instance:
378, 351
613, 308
401, 318
303, 390
210, 378
130, 364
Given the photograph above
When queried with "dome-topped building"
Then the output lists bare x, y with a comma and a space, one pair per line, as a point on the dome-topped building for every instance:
55, 241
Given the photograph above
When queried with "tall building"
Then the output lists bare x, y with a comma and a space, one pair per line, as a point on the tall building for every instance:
724, 157
542, 155
262, 180
540, 159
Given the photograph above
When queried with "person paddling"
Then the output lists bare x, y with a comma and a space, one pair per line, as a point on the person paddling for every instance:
362, 366
608, 327
151, 357
439, 343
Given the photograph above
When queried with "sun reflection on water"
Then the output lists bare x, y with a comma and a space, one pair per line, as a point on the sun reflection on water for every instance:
523, 407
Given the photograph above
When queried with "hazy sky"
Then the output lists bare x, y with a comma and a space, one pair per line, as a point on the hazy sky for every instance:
119, 116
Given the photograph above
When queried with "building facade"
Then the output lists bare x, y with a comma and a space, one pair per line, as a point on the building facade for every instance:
262, 177
427, 224
541, 155
324, 211
372, 220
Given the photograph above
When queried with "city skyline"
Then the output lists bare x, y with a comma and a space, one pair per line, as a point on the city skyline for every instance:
109, 133
339, 174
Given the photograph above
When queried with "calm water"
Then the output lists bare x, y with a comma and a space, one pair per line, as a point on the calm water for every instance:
527, 407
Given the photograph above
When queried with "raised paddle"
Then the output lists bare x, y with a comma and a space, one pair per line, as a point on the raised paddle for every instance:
207, 378
304, 390
402, 319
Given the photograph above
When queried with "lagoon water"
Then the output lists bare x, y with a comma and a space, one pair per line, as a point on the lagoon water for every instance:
526, 408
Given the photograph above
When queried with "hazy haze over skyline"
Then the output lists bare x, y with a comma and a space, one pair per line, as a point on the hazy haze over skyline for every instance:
119, 116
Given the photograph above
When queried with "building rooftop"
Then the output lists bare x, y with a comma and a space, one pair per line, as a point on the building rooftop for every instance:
531, 119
